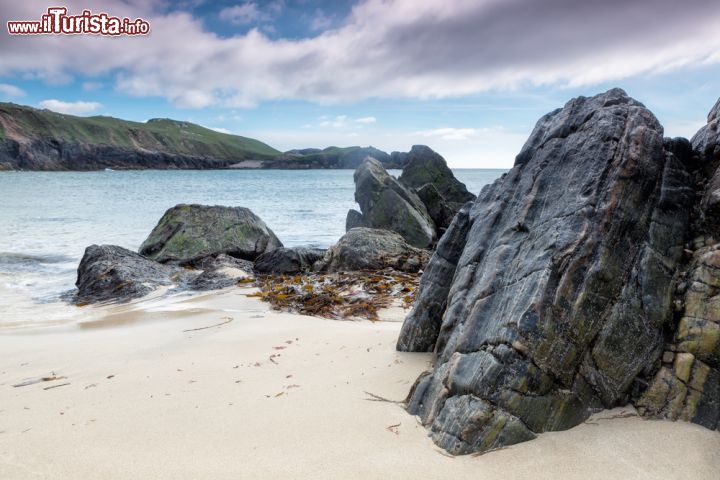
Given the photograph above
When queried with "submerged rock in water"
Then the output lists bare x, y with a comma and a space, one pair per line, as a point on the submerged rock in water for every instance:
288, 260
189, 232
387, 204
372, 249
554, 293
112, 273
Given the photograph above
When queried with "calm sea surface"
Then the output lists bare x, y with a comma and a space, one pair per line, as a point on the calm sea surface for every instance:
48, 218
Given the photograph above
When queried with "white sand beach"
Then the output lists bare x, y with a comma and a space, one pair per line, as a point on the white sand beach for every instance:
272, 395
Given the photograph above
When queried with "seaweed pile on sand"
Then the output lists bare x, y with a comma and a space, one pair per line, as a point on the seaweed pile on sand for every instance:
343, 295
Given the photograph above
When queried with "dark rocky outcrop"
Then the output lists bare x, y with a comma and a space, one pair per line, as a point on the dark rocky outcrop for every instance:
440, 211
427, 173
387, 204
288, 260
112, 273
425, 168
421, 327
419, 205
108, 273
372, 249
686, 383
193, 247
552, 296
189, 232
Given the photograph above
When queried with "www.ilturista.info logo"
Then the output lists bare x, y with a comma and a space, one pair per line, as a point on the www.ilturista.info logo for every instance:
57, 22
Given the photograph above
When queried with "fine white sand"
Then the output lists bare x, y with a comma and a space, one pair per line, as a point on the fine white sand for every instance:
271, 395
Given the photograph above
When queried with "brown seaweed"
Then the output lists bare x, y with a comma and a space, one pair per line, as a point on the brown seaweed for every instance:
338, 295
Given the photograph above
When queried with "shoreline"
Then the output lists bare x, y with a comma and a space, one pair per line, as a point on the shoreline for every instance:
155, 393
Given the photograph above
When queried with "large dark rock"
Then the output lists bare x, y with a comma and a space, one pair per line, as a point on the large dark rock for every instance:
189, 232
112, 273
440, 211
687, 384
423, 166
558, 286
387, 204
421, 327
288, 260
372, 249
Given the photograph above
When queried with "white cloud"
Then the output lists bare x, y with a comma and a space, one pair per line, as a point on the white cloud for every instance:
243, 14
366, 120
7, 90
385, 48
72, 108
221, 130
339, 121
489, 148
449, 133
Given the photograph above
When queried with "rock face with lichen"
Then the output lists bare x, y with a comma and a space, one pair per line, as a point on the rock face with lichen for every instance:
387, 204
419, 205
187, 233
552, 295
372, 249
686, 385
427, 173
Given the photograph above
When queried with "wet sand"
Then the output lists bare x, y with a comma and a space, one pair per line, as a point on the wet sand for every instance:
149, 391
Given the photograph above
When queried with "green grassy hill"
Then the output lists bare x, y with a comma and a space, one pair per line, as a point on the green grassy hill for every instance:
18, 122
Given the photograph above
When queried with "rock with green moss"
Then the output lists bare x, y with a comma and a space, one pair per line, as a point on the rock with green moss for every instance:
187, 233
386, 204
372, 249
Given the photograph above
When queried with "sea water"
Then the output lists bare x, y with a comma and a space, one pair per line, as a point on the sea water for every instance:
48, 218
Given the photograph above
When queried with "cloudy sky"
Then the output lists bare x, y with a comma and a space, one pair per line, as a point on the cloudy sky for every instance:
467, 77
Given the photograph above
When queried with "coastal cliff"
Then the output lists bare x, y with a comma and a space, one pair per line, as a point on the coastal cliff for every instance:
585, 278
33, 139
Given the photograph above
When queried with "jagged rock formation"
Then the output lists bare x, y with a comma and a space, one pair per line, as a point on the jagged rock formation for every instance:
552, 294
288, 260
687, 383
187, 233
372, 249
419, 205
108, 273
386, 204
111, 273
427, 173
